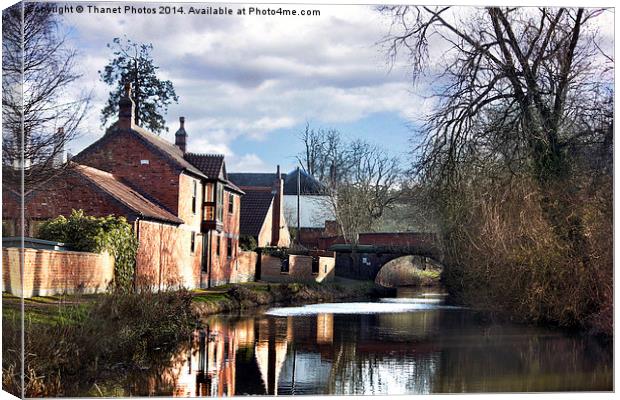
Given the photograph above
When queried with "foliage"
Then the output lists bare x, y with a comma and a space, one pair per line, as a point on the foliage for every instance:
87, 233
133, 63
37, 59
248, 243
516, 159
279, 252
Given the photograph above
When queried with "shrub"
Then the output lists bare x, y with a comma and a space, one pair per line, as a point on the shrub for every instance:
122, 332
248, 243
93, 234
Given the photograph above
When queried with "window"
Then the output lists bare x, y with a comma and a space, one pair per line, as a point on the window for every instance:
193, 243
284, 266
220, 202
194, 195
209, 203
217, 245
229, 248
231, 203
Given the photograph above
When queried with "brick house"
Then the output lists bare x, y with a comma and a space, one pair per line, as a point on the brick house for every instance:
184, 211
262, 209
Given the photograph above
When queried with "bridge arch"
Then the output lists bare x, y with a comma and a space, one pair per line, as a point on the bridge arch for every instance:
410, 270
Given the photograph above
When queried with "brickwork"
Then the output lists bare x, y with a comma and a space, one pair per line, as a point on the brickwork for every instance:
59, 197
299, 270
223, 264
245, 267
126, 156
48, 272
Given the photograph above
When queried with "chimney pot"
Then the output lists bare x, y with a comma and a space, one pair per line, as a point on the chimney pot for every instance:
180, 137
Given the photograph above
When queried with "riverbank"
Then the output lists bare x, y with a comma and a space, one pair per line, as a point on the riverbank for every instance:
254, 294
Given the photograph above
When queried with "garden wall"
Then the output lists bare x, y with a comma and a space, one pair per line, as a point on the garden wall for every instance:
49, 272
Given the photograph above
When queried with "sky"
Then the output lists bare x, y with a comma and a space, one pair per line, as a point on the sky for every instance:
248, 85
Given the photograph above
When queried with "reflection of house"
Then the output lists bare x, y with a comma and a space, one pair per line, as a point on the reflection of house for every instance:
262, 214
314, 205
183, 209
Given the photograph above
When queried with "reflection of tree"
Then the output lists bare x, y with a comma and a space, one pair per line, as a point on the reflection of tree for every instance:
521, 359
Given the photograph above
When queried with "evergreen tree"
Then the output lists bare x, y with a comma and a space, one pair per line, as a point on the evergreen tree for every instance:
133, 63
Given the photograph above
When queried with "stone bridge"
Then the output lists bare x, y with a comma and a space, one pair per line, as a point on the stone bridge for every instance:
366, 260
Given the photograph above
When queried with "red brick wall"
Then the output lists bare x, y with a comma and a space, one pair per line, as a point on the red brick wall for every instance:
48, 272
165, 258
121, 154
59, 197
300, 269
415, 240
245, 267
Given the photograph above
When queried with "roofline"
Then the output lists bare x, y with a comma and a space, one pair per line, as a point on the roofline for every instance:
100, 189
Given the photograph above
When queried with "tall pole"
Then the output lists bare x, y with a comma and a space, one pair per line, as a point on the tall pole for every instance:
298, 203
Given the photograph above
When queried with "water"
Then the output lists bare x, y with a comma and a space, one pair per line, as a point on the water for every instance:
413, 344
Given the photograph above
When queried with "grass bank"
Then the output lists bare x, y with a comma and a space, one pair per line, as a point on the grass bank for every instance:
72, 343
252, 294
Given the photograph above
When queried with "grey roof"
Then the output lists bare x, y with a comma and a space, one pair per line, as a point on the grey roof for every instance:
253, 179
210, 164
309, 184
254, 207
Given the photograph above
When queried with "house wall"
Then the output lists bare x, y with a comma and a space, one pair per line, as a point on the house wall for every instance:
264, 236
120, 153
164, 257
49, 272
223, 266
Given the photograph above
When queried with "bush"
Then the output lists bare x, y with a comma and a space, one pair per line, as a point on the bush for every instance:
248, 243
91, 344
87, 233
502, 253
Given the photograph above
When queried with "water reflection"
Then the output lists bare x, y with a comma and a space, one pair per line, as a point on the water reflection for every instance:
427, 350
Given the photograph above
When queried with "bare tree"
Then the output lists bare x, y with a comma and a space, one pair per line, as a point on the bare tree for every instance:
39, 114
360, 180
518, 88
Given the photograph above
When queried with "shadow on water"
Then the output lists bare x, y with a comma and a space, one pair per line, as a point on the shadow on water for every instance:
376, 348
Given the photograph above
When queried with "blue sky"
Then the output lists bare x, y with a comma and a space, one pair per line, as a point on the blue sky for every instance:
248, 85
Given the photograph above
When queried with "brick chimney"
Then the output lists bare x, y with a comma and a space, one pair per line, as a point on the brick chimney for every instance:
126, 109
180, 137
277, 190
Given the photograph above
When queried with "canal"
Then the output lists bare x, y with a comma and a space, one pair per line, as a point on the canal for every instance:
411, 344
